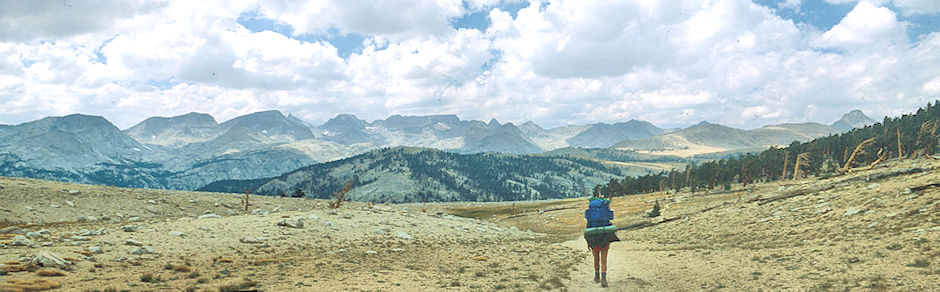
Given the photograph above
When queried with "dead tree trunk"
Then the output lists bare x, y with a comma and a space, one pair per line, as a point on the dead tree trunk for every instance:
882, 155
801, 160
786, 158
899, 144
858, 150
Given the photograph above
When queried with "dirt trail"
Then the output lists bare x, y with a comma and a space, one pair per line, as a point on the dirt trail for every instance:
624, 271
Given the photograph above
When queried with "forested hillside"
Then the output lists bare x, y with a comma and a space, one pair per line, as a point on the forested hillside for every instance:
911, 135
405, 174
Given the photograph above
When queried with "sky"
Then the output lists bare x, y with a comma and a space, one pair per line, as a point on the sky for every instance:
673, 63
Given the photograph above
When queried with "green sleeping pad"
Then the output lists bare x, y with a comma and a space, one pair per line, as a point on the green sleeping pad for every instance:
602, 229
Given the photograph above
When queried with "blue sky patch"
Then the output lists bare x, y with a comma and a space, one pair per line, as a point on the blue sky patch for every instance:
823, 16
345, 44
819, 14
162, 84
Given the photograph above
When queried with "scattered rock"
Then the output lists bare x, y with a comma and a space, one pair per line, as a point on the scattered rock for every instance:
873, 186
342, 250
20, 240
40, 233
404, 235
852, 211
330, 225
873, 224
276, 209
70, 203
53, 205
13, 230
260, 212
383, 231
313, 217
906, 191
823, 211
79, 238
48, 260
177, 233
133, 219
292, 223
131, 228
83, 218
397, 249
371, 252
95, 249
144, 250
86, 232
208, 216
253, 240
133, 242
74, 192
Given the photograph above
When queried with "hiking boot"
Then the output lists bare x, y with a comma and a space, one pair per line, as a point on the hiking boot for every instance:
597, 279
604, 282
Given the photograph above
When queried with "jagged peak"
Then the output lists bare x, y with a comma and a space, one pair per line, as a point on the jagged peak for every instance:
493, 123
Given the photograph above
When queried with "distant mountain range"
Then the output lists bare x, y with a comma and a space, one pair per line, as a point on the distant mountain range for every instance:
706, 138
193, 150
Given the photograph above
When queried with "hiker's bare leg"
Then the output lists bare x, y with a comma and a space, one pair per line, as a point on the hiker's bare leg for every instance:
596, 260
603, 267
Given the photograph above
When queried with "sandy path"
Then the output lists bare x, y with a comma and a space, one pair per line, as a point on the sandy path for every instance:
626, 270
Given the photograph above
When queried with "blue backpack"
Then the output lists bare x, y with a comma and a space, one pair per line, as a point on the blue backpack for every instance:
598, 213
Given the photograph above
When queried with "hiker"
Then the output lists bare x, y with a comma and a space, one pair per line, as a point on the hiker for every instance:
599, 234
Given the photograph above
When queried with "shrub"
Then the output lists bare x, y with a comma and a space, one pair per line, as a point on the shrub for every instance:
655, 211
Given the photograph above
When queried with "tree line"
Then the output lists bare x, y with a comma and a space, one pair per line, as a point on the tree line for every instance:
908, 136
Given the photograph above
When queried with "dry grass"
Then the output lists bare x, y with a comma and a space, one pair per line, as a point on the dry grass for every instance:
264, 262
14, 285
84, 253
12, 268
50, 273
502, 211
225, 260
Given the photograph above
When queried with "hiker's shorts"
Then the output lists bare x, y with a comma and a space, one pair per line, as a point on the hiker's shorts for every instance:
601, 240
